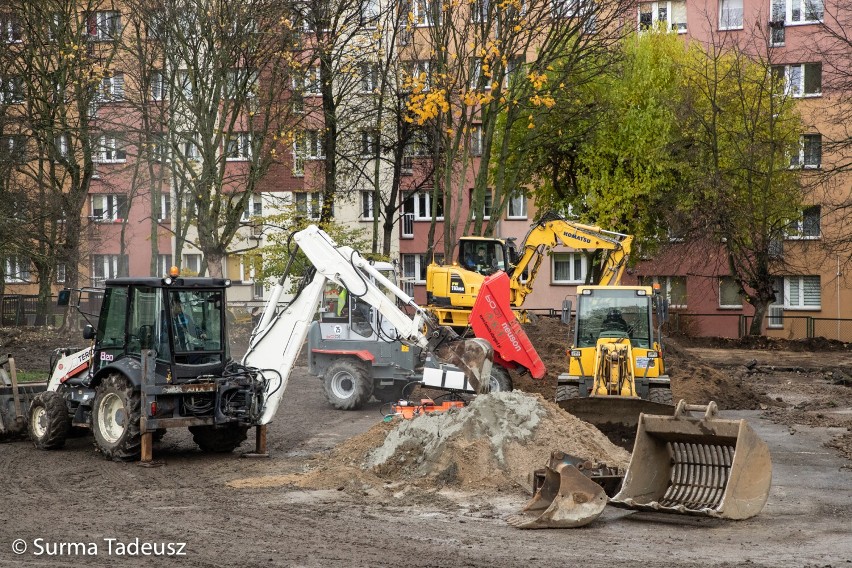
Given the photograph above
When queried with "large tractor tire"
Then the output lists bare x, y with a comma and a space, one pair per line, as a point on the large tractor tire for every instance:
567, 392
662, 395
500, 380
348, 384
49, 422
115, 419
221, 440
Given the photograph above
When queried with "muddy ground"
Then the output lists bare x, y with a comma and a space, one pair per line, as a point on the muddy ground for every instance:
313, 504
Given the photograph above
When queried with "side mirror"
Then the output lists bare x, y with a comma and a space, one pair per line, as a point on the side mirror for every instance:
88, 332
566, 312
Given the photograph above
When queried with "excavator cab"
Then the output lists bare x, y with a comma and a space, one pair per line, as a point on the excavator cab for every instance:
483, 256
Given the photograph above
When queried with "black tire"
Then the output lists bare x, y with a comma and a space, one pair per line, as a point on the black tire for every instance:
115, 419
567, 392
391, 393
500, 380
348, 384
662, 395
49, 422
219, 440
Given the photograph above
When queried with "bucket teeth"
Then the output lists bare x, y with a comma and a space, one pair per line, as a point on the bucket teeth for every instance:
566, 499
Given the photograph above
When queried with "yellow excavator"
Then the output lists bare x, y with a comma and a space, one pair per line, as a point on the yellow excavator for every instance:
452, 289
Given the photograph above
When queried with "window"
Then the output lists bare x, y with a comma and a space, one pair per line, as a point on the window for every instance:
475, 72
418, 144
369, 77
164, 263
158, 86
414, 268
164, 215
569, 268
426, 12
189, 146
110, 150
797, 11
109, 207
369, 12
61, 145
308, 145
184, 85
11, 27
13, 148
191, 264
369, 143
513, 66
104, 266
238, 146
420, 76
730, 295
254, 207
801, 80
367, 204
103, 25
420, 205
487, 204
776, 23
309, 204
61, 274
807, 226
730, 14
11, 90
17, 269
809, 153
565, 8
517, 207
672, 13
308, 82
111, 87
479, 11
802, 293
242, 83
476, 140
673, 288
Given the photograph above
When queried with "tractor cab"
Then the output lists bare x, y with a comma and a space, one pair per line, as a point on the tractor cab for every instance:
182, 320
483, 255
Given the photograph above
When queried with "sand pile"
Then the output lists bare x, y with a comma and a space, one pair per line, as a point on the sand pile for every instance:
494, 443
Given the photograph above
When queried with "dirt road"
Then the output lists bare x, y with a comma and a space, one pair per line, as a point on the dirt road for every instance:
75, 496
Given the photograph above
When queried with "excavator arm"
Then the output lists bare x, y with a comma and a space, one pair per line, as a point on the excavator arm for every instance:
553, 230
278, 337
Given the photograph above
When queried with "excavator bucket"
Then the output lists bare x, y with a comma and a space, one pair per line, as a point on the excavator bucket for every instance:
472, 356
492, 319
567, 498
14, 401
705, 466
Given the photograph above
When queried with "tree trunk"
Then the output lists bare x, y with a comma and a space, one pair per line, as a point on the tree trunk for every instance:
760, 309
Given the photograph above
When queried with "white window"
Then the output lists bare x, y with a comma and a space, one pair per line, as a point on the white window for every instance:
730, 295
775, 319
254, 207
479, 11
367, 204
242, 83
517, 208
11, 90
730, 14
110, 150
800, 80
104, 25
111, 87
165, 213
183, 85
61, 145
191, 264
61, 273
164, 263
17, 269
309, 204
369, 143
802, 293
420, 75
308, 145
420, 205
308, 82
476, 140
11, 27
475, 72
673, 288
238, 146
565, 8
369, 12
807, 226
109, 207
414, 268
797, 11
13, 148
189, 146
158, 86
104, 266
424, 11
672, 13
487, 204
569, 268
369, 77
809, 153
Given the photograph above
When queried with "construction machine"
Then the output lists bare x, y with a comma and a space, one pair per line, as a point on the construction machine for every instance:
452, 289
159, 356
353, 348
616, 368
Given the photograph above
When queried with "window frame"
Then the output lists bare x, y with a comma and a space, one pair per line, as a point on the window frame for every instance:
788, 305
114, 207
367, 213
730, 280
238, 147
509, 213
574, 256
419, 262
800, 160
796, 82
110, 143
655, 15
104, 25
18, 269
722, 5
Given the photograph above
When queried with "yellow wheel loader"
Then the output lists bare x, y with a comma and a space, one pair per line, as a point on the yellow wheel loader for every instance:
616, 368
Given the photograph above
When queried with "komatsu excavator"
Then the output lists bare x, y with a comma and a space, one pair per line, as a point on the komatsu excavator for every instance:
452, 289
159, 357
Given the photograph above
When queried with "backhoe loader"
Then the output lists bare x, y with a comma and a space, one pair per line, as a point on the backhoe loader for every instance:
452, 289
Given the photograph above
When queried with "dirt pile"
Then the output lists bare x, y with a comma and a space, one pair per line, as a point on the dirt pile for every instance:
495, 443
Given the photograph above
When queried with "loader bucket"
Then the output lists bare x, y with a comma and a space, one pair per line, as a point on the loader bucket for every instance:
704, 466
492, 319
14, 401
566, 499
611, 413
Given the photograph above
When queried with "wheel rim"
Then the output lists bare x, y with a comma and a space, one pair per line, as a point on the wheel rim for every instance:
343, 384
39, 421
111, 417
